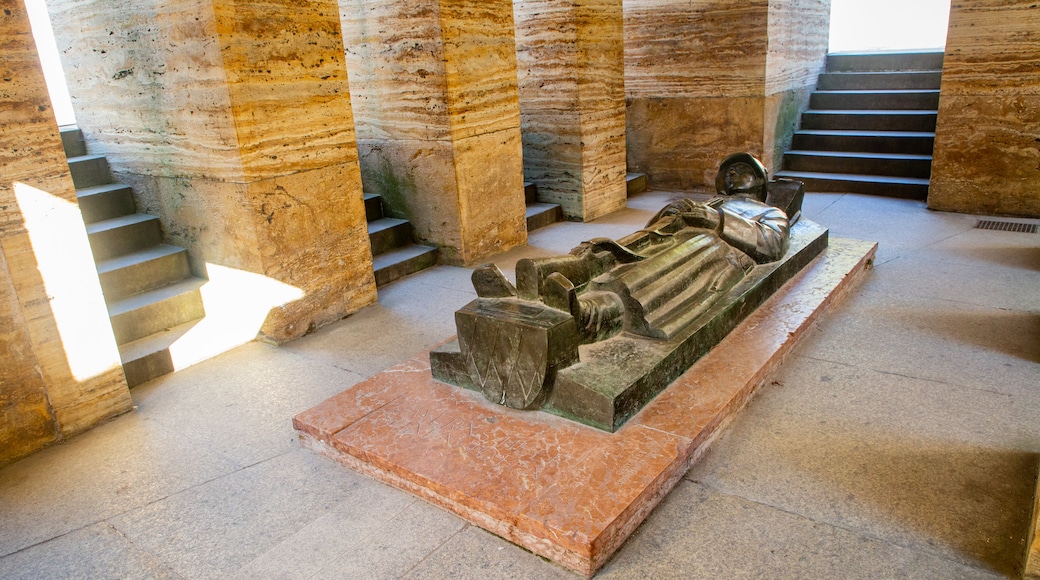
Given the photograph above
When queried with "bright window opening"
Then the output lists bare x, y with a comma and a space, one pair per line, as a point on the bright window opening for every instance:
888, 25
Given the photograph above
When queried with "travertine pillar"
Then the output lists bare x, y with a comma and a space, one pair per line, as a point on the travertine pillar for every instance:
799, 32
59, 371
434, 89
987, 138
570, 57
706, 78
233, 123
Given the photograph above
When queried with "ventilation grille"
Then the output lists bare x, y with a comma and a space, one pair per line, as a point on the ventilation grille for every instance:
1006, 226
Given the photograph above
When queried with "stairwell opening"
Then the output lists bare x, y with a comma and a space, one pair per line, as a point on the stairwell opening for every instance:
870, 26
870, 123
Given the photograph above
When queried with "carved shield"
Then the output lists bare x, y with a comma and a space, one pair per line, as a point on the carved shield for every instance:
512, 349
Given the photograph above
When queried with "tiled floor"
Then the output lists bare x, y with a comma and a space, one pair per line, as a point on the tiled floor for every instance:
900, 440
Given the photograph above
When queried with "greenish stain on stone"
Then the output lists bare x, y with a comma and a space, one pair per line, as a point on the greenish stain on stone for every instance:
787, 119
396, 188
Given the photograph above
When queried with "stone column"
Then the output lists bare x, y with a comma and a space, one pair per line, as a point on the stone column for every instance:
706, 78
233, 123
987, 138
799, 33
60, 372
570, 57
434, 88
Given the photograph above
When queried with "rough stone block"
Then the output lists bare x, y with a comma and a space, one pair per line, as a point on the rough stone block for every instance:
986, 155
678, 142
64, 373
571, 66
26, 420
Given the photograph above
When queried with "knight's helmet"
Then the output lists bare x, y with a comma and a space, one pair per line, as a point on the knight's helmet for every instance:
742, 175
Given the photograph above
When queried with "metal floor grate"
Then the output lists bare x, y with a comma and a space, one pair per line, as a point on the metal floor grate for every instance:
1006, 226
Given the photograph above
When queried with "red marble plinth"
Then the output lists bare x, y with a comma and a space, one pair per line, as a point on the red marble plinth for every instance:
568, 492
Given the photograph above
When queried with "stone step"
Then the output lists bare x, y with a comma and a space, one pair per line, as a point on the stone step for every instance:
635, 182
530, 192
148, 358
877, 120
892, 80
123, 235
918, 143
900, 61
891, 164
373, 207
903, 187
141, 271
540, 215
927, 100
398, 263
89, 170
72, 141
386, 234
140, 315
102, 202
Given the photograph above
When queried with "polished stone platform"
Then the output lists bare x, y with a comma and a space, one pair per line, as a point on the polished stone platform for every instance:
562, 490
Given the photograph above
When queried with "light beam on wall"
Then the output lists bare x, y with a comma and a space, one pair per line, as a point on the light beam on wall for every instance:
237, 304
72, 290
48, 51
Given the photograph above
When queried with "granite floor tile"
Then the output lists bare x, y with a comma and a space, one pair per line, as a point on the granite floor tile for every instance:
213, 530
815, 204
934, 467
957, 278
805, 388
96, 552
400, 545
981, 347
698, 532
237, 405
409, 319
441, 276
1017, 250
478, 555
119, 466
899, 226
361, 514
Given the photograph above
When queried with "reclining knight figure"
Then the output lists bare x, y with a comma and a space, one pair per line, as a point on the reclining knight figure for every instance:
653, 284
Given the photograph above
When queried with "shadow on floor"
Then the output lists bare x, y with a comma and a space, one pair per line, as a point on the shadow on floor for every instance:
1013, 333
1026, 258
968, 502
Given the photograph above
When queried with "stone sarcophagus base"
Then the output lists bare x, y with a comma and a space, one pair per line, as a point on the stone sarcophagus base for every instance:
565, 491
611, 380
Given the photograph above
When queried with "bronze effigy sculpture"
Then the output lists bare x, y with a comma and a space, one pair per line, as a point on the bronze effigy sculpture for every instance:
596, 334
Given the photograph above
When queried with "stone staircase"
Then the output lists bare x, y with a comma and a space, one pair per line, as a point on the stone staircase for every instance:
539, 214
148, 285
870, 127
394, 253
635, 183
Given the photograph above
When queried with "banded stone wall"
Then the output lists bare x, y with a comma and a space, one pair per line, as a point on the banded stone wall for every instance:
233, 124
987, 141
695, 85
434, 88
799, 32
60, 371
572, 103
707, 78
